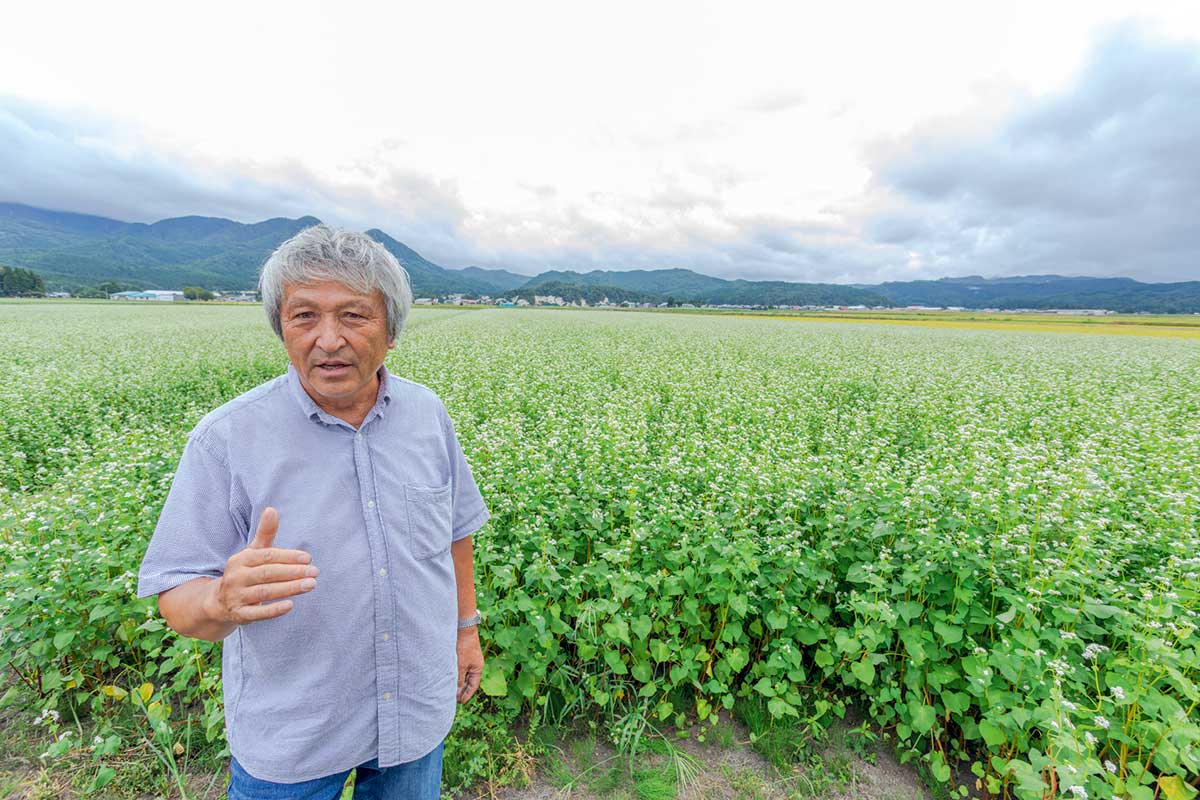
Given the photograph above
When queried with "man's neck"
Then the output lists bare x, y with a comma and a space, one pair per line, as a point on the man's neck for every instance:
352, 410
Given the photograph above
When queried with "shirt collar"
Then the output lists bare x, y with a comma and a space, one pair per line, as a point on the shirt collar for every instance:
315, 412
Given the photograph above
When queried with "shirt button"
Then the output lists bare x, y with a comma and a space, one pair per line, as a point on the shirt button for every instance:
387, 695
370, 504
383, 573
358, 437
387, 636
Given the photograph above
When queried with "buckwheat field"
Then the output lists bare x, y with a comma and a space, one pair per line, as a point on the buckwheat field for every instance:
986, 540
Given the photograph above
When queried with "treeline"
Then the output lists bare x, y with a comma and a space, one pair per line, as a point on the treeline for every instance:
1049, 291
764, 293
17, 282
782, 293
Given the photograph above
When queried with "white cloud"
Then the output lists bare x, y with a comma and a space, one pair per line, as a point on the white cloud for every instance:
541, 135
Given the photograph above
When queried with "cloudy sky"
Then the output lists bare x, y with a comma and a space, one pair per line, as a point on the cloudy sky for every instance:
874, 141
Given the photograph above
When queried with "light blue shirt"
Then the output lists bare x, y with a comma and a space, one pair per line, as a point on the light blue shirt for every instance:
365, 665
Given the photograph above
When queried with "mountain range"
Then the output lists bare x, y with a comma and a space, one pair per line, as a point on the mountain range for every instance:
77, 251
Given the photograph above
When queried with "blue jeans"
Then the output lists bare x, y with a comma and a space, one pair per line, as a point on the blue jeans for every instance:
414, 780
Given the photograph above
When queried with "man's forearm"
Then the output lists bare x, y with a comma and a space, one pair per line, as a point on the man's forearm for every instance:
464, 575
188, 609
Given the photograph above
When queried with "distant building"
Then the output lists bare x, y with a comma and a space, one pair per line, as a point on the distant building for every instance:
425, 301
160, 295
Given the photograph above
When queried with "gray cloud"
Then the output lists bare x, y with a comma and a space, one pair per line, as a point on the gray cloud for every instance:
75, 160
1101, 178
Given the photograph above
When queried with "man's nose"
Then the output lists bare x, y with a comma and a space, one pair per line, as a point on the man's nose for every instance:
329, 335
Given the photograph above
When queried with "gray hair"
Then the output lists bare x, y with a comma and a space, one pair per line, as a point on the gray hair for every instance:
321, 253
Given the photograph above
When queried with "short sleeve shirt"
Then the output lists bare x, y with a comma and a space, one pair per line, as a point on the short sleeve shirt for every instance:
363, 666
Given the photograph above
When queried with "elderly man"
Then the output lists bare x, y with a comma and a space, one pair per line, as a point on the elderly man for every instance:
320, 526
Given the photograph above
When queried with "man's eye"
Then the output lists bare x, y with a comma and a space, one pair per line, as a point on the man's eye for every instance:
304, 315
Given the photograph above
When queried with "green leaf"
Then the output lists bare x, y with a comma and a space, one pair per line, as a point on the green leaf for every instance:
951, 634
12, 693
494, 683
62, 639
1173, 788
908, 610
939, 768
102, 779
956, 702
613, 659
780, 708
736, 659
923, 716
1100, 610
810, 634
864, 670
992, 733
618, 629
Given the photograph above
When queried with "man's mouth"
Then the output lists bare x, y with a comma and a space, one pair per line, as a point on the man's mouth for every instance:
333, 367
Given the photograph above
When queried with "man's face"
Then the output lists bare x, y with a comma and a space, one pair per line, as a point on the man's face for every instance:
336, 339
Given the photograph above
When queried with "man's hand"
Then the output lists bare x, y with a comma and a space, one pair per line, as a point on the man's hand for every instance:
470, 662
259, 574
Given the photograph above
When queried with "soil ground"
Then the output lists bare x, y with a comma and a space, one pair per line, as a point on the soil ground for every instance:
725, 766
576, 765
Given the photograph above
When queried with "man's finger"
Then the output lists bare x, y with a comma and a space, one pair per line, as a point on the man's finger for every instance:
470, 684
256, 557
268, 526
256, 613
265, 592
277, 571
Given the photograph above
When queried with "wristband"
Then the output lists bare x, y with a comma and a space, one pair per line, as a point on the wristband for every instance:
469, 622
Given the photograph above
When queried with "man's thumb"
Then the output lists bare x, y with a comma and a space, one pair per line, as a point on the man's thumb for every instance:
268, 525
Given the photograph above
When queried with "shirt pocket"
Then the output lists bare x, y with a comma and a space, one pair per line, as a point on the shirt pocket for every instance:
429, 519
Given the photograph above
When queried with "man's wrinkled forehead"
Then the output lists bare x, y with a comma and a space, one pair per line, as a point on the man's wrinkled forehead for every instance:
328, 293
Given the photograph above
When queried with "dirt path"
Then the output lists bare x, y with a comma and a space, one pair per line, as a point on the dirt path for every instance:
722, 768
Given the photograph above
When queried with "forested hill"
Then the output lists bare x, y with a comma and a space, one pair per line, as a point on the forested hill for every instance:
75, 251
1048, 291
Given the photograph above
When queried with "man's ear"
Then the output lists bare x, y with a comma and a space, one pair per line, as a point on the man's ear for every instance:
391, 344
